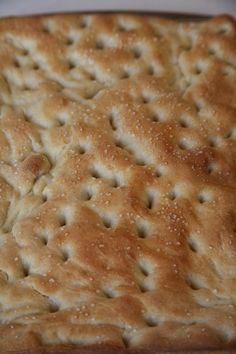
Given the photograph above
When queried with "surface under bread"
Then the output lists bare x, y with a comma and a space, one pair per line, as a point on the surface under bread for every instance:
117, 184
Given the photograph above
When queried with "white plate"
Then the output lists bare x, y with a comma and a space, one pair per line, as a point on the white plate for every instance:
204, 7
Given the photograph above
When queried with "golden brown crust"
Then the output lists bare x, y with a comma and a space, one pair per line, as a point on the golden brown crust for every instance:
117, 184
111, 350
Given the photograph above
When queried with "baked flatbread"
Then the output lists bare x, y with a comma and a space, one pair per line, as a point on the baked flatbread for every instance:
117, 184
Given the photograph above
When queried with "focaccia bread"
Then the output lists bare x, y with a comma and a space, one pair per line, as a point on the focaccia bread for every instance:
117, 184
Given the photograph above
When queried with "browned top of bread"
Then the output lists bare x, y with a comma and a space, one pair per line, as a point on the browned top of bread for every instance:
117, 184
